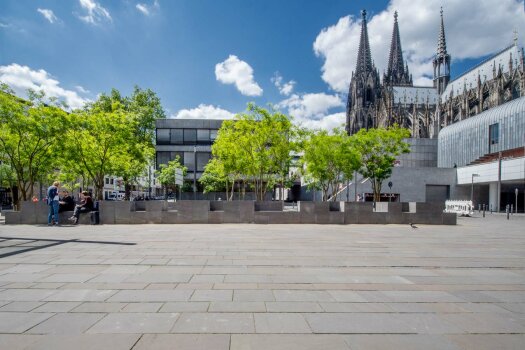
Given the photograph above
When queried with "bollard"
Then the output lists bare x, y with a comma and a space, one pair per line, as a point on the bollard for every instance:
479, 208
491, 208
511, 209
484, 207
507, 211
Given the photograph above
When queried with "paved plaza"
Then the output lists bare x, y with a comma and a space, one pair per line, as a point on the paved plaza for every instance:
257, 287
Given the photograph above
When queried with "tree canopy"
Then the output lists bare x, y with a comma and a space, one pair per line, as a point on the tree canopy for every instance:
378, 149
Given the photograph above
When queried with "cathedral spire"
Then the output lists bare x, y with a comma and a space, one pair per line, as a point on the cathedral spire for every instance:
442, 43
441, 60
364, 56
397, 73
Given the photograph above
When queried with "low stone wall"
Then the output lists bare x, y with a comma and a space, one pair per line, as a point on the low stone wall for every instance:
222, 212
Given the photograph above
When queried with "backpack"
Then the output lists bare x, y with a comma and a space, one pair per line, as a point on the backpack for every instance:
51, 193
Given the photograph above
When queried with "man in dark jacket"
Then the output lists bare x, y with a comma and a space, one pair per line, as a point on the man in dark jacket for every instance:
67, 203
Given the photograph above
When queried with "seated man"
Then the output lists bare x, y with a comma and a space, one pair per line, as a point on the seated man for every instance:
67, 203
85, 206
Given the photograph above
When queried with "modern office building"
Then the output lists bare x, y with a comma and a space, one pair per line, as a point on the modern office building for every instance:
188, 139
488, 151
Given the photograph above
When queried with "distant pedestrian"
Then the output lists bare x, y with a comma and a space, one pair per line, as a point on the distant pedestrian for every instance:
53, 202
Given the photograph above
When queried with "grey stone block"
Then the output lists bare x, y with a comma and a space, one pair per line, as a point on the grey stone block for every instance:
216, 205
270, 217
107, 212
123, 212
154, 206
12, 217
450, 218
269, 205
169, 217
215, 217
306, 207
306, 217
429, 207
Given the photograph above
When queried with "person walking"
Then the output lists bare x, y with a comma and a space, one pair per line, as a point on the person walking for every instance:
52, 202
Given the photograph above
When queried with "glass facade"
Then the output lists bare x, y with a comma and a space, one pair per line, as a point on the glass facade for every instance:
186, 136
498, 129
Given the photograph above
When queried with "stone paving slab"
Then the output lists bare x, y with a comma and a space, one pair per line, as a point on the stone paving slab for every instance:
267, 287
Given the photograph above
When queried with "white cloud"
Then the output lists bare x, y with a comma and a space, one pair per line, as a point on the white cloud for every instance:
473, 28
95, 13
204, 112
21, 78
48, 14
235, 71
81, 89
310, 105
313, 110
146, 9
327, 122
284, 88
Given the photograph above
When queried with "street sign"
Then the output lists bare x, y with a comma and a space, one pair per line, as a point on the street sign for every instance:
178, 177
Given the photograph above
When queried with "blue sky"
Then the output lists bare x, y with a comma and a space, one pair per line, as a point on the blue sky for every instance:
212, 57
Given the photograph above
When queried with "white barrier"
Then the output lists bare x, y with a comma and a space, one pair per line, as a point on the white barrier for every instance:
464, 208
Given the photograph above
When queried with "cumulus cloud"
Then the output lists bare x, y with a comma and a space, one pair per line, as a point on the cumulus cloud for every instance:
204, 112
311, 106
284, 88
146, 9
48, 14
21, 78
94, 12
81, 89
314, 110
235, 71
486, 28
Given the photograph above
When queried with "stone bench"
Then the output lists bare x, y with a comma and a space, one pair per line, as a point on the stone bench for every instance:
271, 212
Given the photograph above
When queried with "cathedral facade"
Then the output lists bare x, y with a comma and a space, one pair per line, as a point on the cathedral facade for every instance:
375, 102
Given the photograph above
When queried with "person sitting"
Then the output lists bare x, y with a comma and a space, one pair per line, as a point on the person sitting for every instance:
67, 203
85, 206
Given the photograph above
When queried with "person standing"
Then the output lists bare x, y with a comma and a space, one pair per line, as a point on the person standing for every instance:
52, 202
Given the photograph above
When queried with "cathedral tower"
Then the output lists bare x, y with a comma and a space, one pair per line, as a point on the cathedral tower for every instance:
441, 61
397, 73
364, 88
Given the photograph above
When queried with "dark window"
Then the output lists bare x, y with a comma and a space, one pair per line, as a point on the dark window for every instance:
213, 135
165, 157
107, 180
494, 134
176, 137
190, 136
163, 136
203, 136
112, 181
202, 160
189, 160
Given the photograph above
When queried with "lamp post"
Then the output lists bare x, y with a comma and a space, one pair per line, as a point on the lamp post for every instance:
194, 172
472, 189
516, 192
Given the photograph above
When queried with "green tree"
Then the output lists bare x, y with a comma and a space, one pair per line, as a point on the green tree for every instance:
143, 107
255, 148
378, 149
98, 142
29, 137
166, 173
214, 178
329, 160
